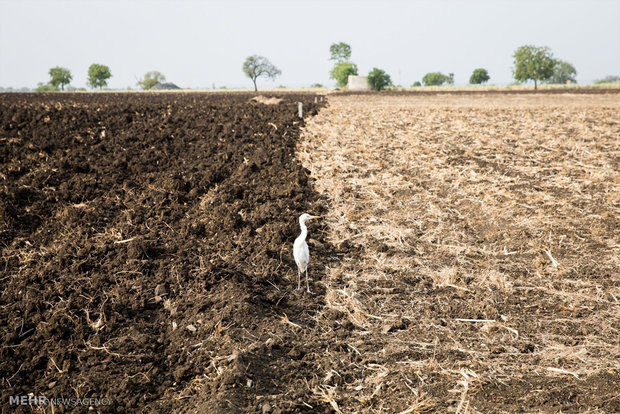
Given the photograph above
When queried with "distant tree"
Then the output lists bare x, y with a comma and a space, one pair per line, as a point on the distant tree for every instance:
416, 84
98, 75
450, 79
479, 76
340, 52
60, 77
378, 79
22, 89
46, 87
256, 66
563, 72
533, 63
341, 72
434, 79
151, 79
343, 68
608, 79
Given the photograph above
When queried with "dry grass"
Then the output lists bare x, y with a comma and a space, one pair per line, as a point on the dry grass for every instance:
265, 100
491, 223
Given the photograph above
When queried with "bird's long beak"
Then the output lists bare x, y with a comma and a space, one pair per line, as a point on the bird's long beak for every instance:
315, 217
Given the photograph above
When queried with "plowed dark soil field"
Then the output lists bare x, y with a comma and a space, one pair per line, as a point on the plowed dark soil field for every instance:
145, 252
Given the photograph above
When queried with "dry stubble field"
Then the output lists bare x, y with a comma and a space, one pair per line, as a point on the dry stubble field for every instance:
479, 259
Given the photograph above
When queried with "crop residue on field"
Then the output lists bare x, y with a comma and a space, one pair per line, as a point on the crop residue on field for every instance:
482, 258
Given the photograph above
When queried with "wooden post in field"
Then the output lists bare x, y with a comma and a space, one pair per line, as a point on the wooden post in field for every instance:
300, 108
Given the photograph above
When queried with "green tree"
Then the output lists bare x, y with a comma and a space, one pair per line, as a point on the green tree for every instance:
341, 72
533, 63
450, 78
41, 87
416, 84
151, 79
60, 77
256, 66
434, 79
479, 76
563, 72
98, 75
340, 52
378, 79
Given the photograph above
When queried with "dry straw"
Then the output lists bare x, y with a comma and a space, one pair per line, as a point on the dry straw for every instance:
491, 222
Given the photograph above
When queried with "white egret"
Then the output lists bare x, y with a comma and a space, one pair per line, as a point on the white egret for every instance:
300, 250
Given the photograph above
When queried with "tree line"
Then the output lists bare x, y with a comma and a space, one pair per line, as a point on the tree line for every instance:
531, 63
98, 76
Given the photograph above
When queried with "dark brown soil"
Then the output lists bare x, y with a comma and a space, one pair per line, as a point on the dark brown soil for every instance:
145, 252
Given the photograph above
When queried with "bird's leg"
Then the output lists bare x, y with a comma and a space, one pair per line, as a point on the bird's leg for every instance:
307, 285
298, 279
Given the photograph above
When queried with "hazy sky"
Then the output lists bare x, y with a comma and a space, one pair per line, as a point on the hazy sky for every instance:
201, 43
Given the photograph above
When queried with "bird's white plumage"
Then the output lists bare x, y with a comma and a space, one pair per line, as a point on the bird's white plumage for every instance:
301, 253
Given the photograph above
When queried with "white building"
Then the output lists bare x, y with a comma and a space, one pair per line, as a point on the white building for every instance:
358, 83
